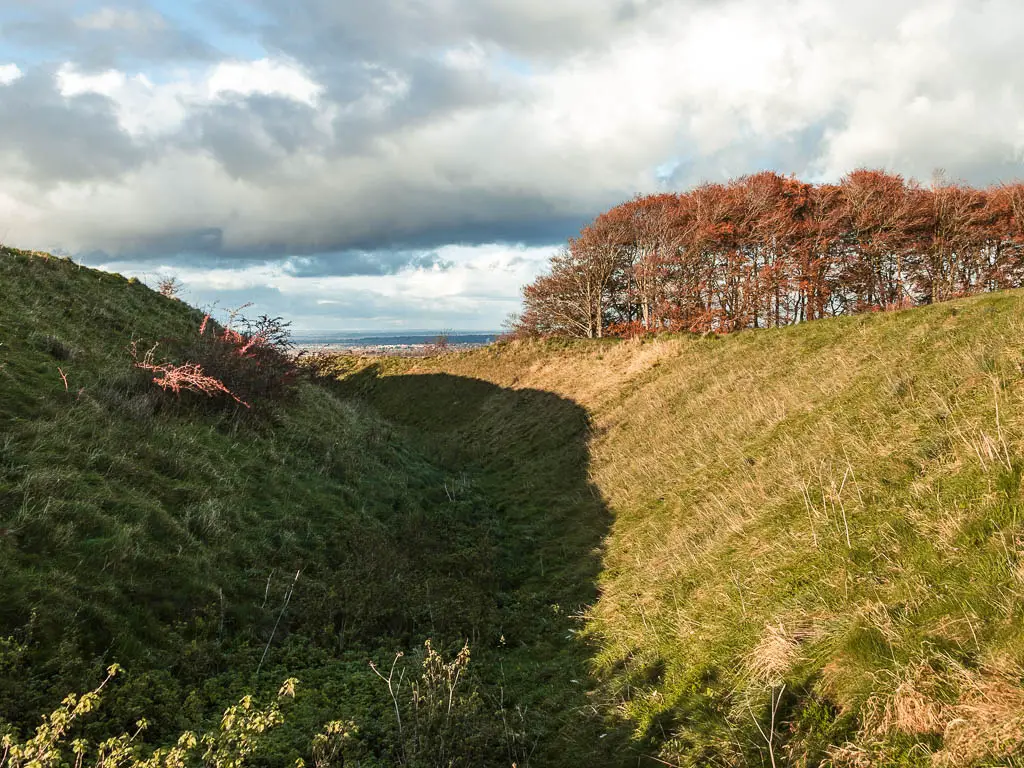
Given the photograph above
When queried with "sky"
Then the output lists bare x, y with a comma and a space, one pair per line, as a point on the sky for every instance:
402, 164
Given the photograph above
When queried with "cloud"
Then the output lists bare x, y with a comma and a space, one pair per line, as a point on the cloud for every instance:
397, 31
148, 108
9, 73
98, 35
265, 77
356, 134
455, 286
48, 142
371, 263
107, 18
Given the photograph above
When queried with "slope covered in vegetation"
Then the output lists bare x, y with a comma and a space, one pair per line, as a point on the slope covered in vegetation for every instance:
816, 554
798, 546
213, 552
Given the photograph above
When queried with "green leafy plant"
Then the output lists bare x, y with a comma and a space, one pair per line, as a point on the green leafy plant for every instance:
440, 721
239, 736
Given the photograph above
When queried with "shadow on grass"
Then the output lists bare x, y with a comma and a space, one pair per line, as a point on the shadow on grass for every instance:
464, 512
520, 459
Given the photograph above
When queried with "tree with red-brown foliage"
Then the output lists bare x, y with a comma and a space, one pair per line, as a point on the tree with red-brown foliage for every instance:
767, 250
576, 296
648, 251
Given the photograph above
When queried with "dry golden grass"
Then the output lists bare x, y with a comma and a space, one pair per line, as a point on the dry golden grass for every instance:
856, 480
779, 650
979, 715
913, 707
987, 721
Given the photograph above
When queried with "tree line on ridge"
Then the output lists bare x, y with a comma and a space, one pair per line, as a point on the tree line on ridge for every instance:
767, 250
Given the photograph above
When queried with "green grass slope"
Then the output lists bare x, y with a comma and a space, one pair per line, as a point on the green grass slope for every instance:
166, 535
817, 554
792, 547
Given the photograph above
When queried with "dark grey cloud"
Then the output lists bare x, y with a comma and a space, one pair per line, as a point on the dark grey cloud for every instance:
188, 244
251, 138
380, 248
52, 139
488, 219
375, 263
435, 89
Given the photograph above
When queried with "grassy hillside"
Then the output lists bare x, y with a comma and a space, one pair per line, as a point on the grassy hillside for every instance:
166, 534
791, 547
816, 554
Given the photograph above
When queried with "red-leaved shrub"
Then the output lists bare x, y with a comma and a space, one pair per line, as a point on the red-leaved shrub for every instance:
187, 377
250, 366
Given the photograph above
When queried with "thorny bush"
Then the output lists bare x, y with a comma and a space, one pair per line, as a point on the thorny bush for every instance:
248, 362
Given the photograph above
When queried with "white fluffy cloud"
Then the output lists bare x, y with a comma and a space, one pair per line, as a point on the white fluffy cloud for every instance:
145, 107
9, 73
